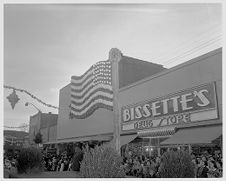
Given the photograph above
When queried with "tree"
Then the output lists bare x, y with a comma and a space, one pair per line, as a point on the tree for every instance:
101, 162
38, 138
176, 164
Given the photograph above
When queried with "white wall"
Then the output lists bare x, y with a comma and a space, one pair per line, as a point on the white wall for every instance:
100, 122
204, 69
53, 133
44, 132
34, 127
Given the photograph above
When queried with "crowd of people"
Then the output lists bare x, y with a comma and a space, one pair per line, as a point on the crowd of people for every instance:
141, 166
205, 166
54, 162
9, 162
208, 165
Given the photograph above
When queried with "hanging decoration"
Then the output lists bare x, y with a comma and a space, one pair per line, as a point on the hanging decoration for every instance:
13, 98
15, 127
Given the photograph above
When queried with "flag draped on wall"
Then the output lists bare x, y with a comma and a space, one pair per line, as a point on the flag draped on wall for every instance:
92, 90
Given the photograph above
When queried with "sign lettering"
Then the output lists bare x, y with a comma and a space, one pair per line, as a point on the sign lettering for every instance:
189, 100
184, 107
165, 121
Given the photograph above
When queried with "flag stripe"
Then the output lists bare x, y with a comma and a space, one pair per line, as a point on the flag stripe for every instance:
82, 111
79, 83
90, 93
83, 106
90, 89
80, 93
90, 98
83, 76
83, 86
90, 111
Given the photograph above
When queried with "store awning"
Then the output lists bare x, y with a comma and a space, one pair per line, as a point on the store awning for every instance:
198, 135
125, 139
155, 133
81, 139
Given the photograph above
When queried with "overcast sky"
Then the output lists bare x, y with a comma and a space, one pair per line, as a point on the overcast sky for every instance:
44, 45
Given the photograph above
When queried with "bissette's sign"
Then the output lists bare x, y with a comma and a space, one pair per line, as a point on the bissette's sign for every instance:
172, 109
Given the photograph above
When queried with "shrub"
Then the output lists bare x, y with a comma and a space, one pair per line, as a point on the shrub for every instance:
29, 160
101, 162
76, 160
176, 164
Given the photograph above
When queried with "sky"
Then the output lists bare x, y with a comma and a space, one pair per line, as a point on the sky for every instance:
44, 45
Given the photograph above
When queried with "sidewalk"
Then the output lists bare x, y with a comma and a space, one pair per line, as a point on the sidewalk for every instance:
65, 174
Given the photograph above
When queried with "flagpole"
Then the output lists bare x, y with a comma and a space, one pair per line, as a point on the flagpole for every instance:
115, 56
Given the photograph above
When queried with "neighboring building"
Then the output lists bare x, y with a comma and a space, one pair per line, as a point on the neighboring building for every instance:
14, 140
45, 123
26, 142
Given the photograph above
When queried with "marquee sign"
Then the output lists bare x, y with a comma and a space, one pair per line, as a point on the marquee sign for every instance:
195, 104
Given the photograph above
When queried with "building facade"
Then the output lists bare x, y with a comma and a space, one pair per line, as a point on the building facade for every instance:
179, 106
158, 107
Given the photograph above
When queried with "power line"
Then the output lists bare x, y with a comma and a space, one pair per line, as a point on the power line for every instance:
191, 51
199, 41
191, 41
181, 57
185, 45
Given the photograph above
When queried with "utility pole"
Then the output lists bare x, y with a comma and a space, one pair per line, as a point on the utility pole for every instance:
115, 56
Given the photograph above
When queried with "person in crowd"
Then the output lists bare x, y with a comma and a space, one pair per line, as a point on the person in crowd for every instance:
62, 166
54, 163
70, 165
195, 162
66, 164
130, 166
145, 169
149, 173
213, 172
202, 169
7, 163
139, 168
49, 163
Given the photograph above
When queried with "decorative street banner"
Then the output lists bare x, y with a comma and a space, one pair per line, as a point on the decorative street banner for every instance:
195, 104
13, 98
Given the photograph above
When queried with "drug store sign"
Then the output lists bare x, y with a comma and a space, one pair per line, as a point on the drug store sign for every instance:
190, 105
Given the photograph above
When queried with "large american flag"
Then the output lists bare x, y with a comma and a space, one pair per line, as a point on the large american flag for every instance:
92, 90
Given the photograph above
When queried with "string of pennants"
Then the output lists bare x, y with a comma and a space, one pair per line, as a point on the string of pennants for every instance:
13, 98
15, 127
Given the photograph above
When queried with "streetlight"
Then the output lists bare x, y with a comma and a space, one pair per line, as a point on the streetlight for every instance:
39, 112
28, 103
